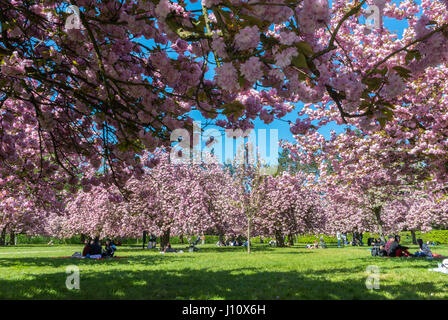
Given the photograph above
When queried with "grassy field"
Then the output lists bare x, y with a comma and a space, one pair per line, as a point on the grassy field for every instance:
35, 272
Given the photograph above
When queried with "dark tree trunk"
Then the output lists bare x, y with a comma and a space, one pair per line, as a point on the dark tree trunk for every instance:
414, 237
3, 237
164, 239
280, 239
221, 238
12, 238
290, 240
379, 223
261, 239
83, 238
145, 233
181, 238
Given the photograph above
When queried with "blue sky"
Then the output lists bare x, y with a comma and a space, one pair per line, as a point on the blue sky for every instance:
284, 133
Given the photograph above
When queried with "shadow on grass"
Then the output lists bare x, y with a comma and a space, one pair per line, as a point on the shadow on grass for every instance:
186, 283
393, 263
56, 262
211, 249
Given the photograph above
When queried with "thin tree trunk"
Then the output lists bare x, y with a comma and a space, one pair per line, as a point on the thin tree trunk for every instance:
181, 238
261, 239
248, 234
290, 240
377, 212
165, 239
145, 234
12, 238
221, 238
3, 237
414, 237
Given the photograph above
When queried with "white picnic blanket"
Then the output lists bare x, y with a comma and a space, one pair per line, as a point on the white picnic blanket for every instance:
442, 267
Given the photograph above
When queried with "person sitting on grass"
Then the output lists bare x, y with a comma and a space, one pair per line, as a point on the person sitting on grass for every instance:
86, 250
314, 246
95, 249
379, 248
322, 243
388, 243
425, 251
396, 250
220, 243
109, 250
152, 241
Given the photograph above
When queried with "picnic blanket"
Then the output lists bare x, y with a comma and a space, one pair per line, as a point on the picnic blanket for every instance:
442, 267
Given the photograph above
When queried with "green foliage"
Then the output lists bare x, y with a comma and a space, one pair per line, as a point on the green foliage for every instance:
440, 236
285, 163
406, 238
26, 239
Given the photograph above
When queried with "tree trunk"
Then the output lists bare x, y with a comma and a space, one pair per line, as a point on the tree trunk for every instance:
248, 234
3, 237
261, 239
83, 238
221, 238
279, 239
290, 240
414, 238
165, 239
145, 234
377, 212
12, 238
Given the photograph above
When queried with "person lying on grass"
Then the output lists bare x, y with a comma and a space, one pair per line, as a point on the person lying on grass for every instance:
169, 249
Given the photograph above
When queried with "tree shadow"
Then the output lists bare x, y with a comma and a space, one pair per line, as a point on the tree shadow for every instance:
394, 262
57, 262
186, 283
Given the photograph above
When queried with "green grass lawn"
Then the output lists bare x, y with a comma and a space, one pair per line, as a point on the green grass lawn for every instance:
33, 272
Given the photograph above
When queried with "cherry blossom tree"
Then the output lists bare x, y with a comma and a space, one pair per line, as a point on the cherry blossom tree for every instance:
105, 81
169, 199
288, 207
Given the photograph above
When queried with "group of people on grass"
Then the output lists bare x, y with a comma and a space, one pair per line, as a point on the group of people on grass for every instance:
317, 245
94, 250
393, 248
238, 242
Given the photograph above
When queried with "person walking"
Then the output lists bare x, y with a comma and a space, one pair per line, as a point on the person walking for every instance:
344, 238
338, 236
